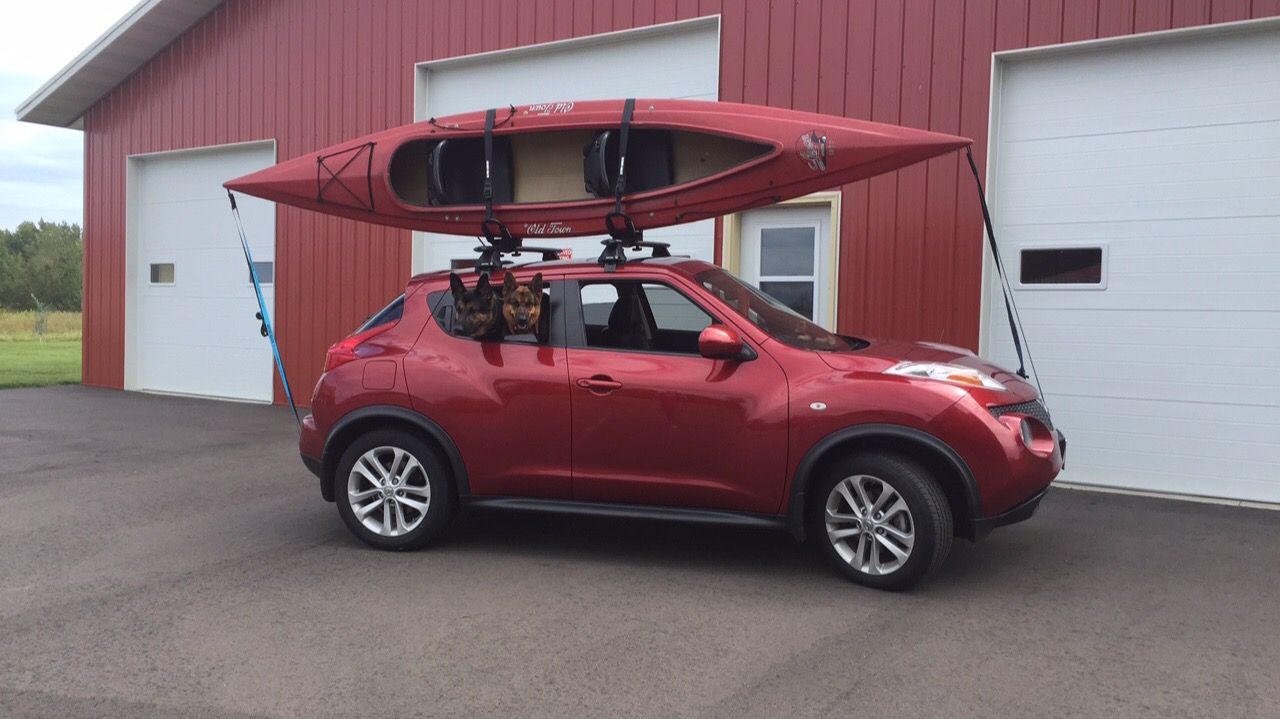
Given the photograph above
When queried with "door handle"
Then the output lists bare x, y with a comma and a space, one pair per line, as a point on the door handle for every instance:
600, 383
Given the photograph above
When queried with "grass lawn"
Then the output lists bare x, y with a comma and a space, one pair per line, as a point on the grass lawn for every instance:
25, 361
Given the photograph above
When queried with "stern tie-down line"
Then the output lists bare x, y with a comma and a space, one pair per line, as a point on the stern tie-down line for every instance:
265, 316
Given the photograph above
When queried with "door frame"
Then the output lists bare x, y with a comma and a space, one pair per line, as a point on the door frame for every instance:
731, 243
132, 178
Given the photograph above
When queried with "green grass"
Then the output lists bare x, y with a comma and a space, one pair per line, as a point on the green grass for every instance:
25, 361
37, 364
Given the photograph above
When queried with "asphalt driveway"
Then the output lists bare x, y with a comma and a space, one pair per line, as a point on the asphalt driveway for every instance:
171, 557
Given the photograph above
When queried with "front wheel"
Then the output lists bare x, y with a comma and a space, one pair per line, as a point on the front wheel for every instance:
393, 491
881, 519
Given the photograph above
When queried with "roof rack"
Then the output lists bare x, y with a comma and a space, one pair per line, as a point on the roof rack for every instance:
500, 242
623, 237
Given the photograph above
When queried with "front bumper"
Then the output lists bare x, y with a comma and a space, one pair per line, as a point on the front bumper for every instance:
1022, 512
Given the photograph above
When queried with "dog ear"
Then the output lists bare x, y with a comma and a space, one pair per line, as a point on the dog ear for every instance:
509, 284
456, 286
537, 284
483, 289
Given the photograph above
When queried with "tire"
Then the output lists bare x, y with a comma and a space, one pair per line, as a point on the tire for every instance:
423, 495
919, 526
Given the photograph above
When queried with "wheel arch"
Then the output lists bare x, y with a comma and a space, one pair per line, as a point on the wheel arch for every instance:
943, 462
366, 419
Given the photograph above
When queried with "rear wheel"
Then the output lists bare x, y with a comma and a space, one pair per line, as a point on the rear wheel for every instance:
393, 491
881, 520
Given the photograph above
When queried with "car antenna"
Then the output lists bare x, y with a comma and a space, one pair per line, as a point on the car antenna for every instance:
1010, 307
263, 315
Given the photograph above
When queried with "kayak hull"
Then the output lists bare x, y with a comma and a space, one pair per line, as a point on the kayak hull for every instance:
800, 153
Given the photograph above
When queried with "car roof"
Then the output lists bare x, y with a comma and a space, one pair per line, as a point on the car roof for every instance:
680, 265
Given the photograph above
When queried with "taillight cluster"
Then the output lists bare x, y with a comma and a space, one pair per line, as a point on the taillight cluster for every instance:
345, 350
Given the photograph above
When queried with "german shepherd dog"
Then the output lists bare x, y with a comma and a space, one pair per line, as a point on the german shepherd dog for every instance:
475, 311
522, 306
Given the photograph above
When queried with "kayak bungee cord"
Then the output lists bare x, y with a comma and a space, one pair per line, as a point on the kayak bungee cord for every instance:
267, 330
1010, 307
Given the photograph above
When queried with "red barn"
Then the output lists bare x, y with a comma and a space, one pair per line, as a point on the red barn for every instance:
1131, 144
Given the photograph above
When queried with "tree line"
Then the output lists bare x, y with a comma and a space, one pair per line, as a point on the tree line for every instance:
41, 261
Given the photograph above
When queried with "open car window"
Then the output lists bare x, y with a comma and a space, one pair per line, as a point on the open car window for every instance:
771, 316
640, 315
550, 326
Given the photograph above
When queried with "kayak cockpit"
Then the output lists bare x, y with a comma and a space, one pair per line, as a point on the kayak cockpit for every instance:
560, 165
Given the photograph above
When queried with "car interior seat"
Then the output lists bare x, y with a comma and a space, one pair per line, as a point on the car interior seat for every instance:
628, 328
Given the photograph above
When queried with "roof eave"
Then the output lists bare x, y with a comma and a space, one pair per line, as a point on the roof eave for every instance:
108, 61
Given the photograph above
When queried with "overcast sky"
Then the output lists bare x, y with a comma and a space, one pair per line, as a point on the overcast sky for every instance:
41, 168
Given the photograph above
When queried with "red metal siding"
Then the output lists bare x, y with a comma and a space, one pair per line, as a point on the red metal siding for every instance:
311, 73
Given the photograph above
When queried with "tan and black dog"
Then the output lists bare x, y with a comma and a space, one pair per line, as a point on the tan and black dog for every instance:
475, 311
522, 306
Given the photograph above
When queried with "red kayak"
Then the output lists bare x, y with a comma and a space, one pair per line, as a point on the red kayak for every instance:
553, 168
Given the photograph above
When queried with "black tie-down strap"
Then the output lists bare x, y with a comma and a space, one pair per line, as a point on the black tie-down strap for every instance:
622, 231
1010, 308
489, 117
628, 109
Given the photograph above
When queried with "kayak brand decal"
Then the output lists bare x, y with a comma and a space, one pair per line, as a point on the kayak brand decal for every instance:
547, 228
814, 148
551, 108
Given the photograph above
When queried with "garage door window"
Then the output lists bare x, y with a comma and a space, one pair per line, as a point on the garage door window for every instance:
162, 273
266, 272
1080, 267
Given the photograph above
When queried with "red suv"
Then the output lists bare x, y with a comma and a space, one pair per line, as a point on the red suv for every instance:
668, 388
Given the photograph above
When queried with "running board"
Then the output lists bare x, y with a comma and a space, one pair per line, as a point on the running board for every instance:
631, 511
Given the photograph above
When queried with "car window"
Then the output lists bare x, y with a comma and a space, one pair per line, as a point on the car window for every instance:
387, 315
778, 320
445, 315
645, 316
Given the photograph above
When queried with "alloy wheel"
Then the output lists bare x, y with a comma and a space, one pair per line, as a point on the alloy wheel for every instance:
869, 524
389, 491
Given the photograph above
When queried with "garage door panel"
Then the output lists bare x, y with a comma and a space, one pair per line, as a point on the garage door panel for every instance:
1146, 478
1168, 156
202, 321
198, 335
169, 368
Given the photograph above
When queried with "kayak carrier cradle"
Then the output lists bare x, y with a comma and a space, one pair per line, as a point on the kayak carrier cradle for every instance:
499, 242
624, 236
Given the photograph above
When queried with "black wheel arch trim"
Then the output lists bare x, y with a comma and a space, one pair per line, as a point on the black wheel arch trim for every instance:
331, 454
805, 471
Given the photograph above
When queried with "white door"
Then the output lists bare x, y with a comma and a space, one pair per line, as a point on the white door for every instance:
678, 60
1137, 200
786, 252
194, 316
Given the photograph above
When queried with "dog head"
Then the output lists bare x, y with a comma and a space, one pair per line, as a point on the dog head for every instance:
475, 311
521, 304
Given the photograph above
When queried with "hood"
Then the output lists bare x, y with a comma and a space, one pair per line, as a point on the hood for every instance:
883, 354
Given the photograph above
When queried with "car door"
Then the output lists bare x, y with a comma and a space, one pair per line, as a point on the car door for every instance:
504, 403
654, 422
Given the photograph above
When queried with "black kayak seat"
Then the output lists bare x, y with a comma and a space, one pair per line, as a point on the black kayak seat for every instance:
457, 171
649, 162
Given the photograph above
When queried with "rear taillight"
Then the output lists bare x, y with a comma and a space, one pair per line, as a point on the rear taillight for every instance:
345, 351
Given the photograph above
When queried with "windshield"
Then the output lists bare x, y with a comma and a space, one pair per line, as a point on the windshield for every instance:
770, 315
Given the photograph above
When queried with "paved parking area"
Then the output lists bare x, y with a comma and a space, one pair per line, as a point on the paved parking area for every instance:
171, 557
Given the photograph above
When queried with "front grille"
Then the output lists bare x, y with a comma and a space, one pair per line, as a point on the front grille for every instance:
1034, 408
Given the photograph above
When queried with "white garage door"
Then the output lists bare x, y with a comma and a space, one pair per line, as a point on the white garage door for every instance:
676, 60
195, 331
1137, 199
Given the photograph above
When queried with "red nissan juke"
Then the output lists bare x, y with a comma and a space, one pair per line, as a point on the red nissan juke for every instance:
667, 388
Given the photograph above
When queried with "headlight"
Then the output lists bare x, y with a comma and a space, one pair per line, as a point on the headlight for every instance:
944, 372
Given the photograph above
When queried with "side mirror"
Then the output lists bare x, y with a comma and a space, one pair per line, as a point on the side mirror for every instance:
722, 342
